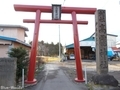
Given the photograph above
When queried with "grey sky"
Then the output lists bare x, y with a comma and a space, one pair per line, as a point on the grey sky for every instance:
49, 32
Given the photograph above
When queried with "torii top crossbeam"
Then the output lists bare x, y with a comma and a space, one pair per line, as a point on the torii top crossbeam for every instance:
48, 9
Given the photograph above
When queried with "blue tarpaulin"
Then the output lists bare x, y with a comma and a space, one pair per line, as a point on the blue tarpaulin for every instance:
110, 52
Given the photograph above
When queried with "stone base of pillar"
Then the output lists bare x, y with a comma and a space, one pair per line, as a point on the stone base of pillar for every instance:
103, 82
77, 80
31, 82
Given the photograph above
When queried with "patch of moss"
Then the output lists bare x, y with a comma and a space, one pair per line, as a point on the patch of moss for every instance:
89, 85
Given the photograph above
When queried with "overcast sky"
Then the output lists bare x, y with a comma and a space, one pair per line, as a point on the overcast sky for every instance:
50, 32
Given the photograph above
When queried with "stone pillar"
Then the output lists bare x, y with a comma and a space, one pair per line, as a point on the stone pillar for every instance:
102, 80
101, 42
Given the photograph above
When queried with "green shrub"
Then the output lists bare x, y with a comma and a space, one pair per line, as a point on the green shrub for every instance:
22, 61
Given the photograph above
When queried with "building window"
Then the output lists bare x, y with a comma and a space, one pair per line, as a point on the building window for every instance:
9, 48
1, 29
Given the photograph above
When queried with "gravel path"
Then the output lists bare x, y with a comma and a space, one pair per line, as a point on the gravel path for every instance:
70, 68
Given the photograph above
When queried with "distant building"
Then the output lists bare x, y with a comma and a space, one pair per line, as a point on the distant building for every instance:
118, 44
12, 36
88, 45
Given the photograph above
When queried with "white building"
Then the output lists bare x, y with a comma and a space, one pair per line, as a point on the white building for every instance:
87, 45
111, 41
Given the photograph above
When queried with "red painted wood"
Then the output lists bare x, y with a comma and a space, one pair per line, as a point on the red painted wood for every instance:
77, 49
31, 71
48, 9
54, 21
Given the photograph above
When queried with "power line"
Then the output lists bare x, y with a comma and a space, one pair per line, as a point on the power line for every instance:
105, 4
63, 2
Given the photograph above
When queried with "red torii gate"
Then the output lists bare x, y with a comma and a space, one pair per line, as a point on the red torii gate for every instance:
71, 10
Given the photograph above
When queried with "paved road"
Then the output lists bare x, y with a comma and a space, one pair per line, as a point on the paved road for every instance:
55, 79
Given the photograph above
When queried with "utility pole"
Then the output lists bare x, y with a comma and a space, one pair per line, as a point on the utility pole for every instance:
59, 43
59, 38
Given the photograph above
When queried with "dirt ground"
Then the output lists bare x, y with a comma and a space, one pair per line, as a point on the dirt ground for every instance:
70, 68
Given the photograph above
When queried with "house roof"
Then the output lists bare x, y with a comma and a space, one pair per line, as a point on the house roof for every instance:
14, 40
107, 34
14, 26
115, 49
91, 38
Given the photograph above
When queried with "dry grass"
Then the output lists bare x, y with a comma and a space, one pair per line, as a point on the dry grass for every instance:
47, 59
50, 59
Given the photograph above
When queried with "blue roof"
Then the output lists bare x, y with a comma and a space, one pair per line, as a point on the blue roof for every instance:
70, 46
107, 34
14, 40
87, 39
91, 38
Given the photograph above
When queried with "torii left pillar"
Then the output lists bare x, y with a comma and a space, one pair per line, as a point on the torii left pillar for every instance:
30, 78
71, 10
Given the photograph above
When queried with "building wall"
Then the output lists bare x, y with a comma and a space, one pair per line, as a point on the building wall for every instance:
8, 32
16, 45
118, 45
87, 43
21, 34
5, 42
70, 51
3, 50
17, 33
85, 52
111, 41
21, 45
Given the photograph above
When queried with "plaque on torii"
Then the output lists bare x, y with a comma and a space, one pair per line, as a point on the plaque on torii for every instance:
56, 11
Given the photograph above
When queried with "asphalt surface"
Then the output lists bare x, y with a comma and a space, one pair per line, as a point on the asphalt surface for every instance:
56, 79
